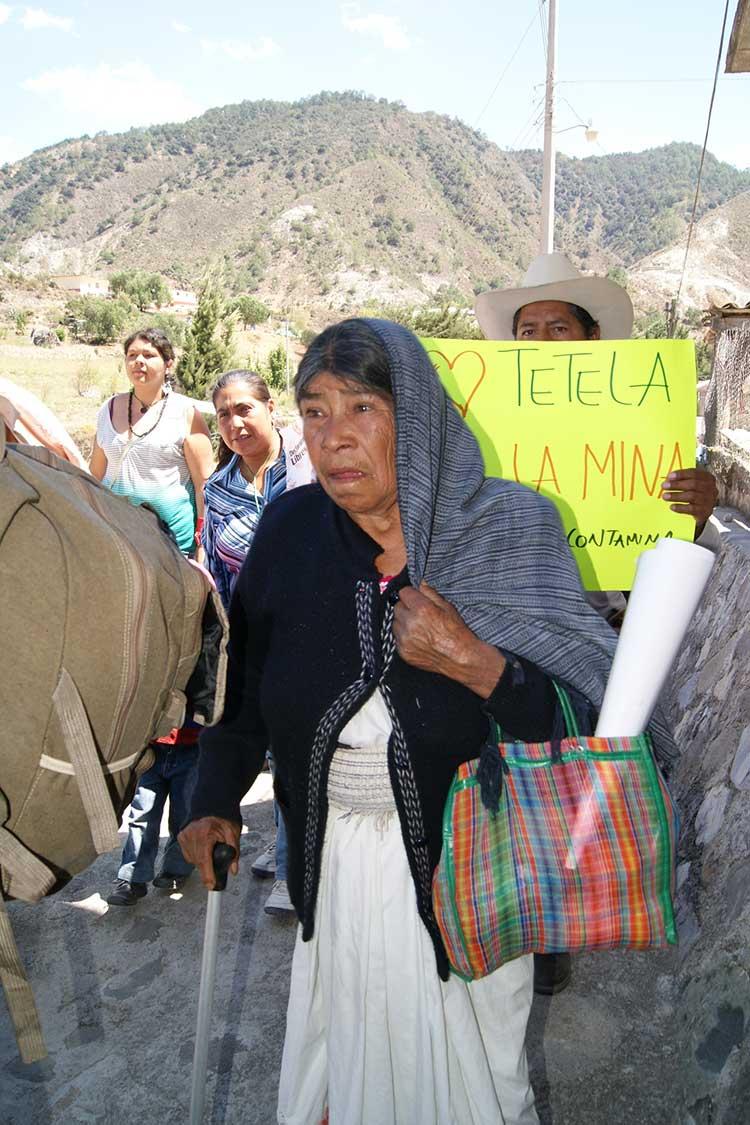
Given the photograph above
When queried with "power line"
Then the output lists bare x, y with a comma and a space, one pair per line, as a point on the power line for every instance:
586, 125
543, 28
703, 154
575, 113
531, 122
505, 70
531, 134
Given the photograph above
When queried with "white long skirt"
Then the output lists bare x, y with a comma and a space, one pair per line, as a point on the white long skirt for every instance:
373, 1036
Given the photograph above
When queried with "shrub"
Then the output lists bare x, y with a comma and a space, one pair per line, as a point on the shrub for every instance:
250, 310
97, 320
85, 377
440, 321
142, 288
277, 368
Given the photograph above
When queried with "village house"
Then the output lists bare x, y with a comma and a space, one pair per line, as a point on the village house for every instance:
183, 300
83, 285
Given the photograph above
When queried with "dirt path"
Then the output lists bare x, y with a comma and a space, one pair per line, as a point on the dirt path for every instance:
117, 992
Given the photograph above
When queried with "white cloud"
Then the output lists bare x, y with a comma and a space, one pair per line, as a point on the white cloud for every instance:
388, 28
241, 50
181, 28
112, 98
5, 13
33, 19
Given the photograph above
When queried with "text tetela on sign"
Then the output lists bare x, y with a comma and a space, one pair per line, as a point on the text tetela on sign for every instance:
596, 426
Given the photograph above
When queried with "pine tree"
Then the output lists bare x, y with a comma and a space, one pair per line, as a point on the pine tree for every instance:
209, 343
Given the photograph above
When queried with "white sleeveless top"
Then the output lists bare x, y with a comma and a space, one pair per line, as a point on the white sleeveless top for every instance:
152, 469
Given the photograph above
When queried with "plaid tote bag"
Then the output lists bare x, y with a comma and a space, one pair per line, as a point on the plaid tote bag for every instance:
578, 855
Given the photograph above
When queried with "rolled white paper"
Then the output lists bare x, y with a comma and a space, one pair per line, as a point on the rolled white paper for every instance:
668, 585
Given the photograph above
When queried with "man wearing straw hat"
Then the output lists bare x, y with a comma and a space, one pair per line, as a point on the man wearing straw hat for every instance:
556, 302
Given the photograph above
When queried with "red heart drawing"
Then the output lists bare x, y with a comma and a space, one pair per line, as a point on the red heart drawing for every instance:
463, 407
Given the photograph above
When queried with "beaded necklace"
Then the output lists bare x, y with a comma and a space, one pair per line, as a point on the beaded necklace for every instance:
145, 406
131, 433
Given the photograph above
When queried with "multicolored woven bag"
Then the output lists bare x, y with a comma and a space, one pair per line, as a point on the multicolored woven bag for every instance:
579, 855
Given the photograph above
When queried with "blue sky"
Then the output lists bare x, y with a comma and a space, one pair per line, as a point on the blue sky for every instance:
640, 72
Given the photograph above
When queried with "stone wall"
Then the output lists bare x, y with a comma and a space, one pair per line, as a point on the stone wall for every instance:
725, 404
709, 702
732, 473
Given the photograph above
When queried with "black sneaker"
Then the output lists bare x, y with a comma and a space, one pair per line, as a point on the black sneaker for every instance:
125, 893
168, 882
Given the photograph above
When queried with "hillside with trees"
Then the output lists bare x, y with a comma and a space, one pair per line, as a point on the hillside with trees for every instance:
632, 204
335, 201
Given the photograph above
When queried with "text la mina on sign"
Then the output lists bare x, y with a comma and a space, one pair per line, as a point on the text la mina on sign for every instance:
618, 470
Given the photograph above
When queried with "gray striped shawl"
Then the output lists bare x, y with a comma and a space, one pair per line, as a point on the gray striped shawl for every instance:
493, 548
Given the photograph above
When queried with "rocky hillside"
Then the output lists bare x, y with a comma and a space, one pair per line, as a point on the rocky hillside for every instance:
718, 266
336, 201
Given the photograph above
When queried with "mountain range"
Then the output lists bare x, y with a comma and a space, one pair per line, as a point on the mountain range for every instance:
341, 200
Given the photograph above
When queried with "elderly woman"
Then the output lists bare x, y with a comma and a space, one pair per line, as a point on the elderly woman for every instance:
381, 616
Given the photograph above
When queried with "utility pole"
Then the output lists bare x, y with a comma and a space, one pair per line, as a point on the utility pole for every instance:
670, 316
286, 353
548, 176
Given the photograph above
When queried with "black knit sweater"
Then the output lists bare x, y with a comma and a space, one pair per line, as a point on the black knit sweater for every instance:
310, 641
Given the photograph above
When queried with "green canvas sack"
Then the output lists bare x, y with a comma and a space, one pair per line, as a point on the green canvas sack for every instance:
102, 623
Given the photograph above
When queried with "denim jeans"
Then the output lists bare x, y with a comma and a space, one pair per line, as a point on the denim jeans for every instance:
172, 775
281, 844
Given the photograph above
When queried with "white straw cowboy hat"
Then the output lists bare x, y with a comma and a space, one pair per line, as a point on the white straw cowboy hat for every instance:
551, 277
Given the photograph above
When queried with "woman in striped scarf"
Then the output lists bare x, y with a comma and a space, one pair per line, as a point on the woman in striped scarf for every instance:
256, 463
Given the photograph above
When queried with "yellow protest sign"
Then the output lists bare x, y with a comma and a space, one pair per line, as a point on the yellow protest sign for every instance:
594, 425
